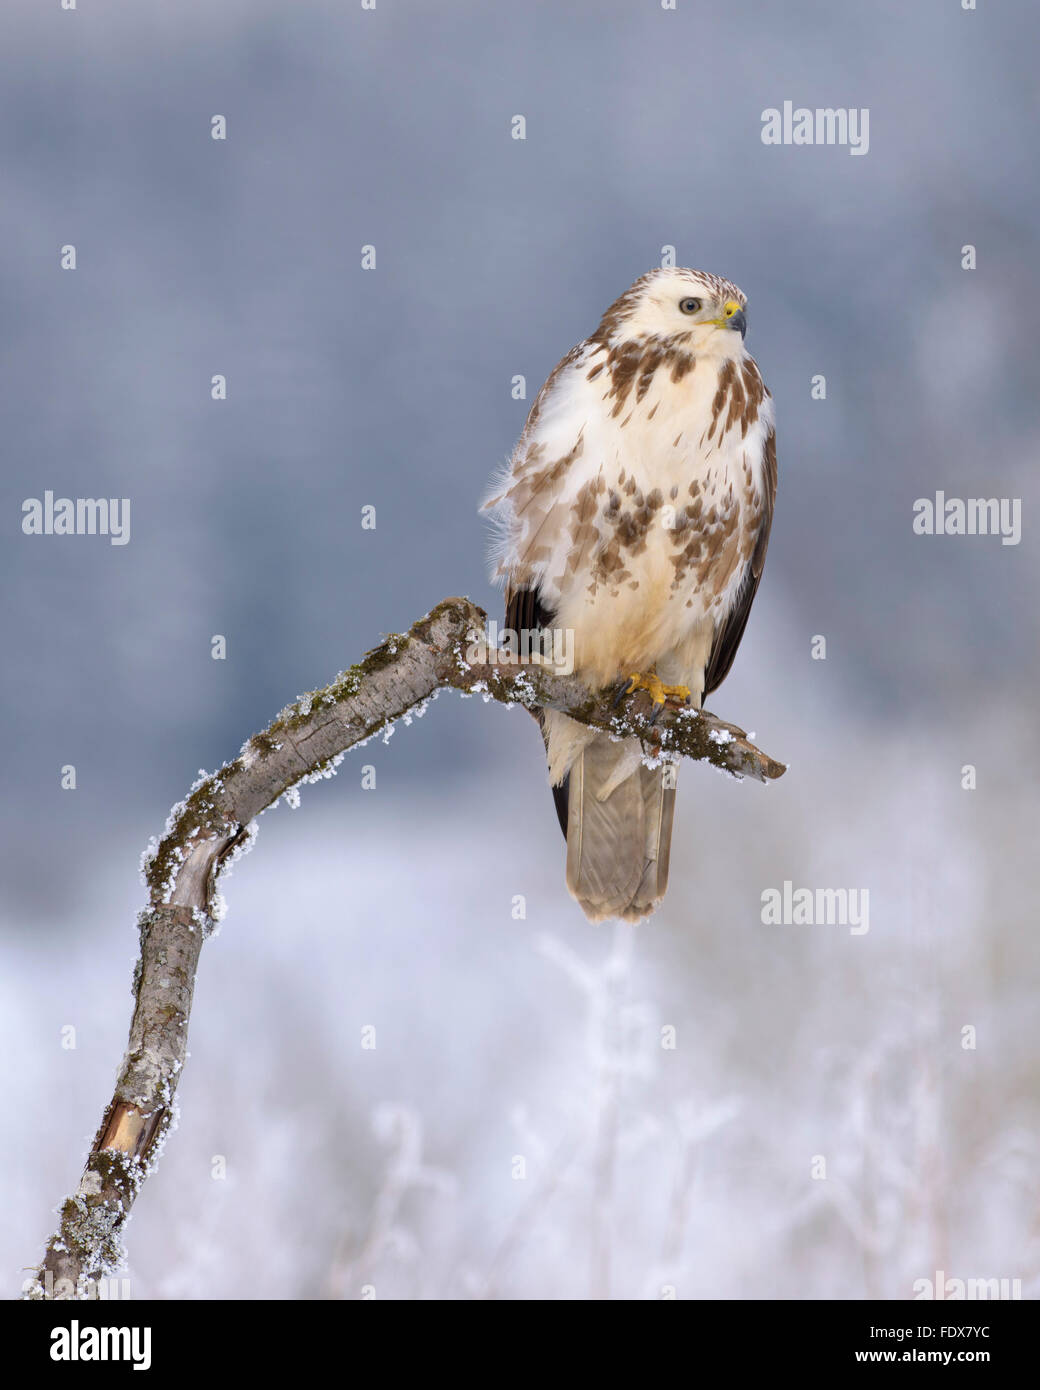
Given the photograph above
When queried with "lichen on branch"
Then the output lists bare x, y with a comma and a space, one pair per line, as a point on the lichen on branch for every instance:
216, 822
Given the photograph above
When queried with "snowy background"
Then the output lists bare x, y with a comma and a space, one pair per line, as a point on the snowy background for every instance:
528, 1046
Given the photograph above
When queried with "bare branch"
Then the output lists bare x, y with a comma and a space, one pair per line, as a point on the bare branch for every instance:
305, 741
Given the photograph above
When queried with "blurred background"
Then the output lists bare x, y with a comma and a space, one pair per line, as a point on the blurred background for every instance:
519, 1130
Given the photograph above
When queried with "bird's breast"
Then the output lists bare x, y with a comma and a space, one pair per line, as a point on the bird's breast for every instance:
667, 499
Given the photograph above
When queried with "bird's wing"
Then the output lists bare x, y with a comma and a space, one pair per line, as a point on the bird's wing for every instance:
731, 629
533, 502
525, 610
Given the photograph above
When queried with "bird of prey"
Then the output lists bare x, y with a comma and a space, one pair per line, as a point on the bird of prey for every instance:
634, 516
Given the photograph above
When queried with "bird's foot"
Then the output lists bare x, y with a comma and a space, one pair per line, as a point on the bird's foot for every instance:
660, 693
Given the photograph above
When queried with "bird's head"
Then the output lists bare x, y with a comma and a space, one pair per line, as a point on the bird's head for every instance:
702, 311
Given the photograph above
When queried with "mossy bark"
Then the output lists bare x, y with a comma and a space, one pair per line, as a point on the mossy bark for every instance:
204, 831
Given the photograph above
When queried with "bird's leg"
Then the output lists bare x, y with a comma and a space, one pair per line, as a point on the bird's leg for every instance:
659, 692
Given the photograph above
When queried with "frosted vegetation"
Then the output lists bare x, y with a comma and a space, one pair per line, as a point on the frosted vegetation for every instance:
519, 1129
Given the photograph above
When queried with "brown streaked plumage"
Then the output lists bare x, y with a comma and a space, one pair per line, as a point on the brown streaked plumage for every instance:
635, 514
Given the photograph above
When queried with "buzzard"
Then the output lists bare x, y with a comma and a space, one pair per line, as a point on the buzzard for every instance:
634, 514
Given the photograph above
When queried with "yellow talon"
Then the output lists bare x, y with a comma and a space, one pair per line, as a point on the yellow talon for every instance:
659, 692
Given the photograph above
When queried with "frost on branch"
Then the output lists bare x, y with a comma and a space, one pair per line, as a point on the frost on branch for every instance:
216, 822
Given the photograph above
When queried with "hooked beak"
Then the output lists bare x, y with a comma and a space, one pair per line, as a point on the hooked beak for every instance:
732, 317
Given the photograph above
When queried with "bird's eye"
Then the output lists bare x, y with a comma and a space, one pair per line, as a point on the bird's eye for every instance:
689, 306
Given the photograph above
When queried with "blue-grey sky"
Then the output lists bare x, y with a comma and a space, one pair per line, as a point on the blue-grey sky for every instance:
391, 388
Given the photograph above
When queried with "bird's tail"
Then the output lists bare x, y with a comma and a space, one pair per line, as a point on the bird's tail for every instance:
618, 822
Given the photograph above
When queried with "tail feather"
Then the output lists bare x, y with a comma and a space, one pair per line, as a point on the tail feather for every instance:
658, 810
619, 830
